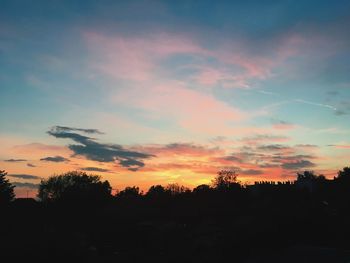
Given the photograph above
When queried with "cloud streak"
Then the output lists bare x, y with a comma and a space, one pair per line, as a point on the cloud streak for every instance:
101, 152
55, 159
316, 104
26, 185
299, 164
15, 160
24, 176
68, 129
95, 169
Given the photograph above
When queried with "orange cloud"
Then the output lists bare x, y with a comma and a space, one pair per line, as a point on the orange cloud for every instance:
341, 146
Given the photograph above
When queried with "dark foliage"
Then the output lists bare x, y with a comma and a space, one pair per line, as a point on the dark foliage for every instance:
129, 192
6, 189
74, 187
225, 180
302, 221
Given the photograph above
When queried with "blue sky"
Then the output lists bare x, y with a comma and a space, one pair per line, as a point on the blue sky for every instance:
187, 83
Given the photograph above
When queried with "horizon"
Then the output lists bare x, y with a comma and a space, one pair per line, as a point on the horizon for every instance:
157, 92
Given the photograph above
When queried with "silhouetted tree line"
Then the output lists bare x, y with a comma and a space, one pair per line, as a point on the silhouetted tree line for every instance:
78, 218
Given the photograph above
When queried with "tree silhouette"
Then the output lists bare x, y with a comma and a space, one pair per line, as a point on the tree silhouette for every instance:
213, 223
201, 189
310, 176
129, 192
6, 189
225, 179
156, 191
74, 186
344, 175
176, 189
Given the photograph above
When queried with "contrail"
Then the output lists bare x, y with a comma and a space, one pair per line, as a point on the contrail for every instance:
297, 100
316, 104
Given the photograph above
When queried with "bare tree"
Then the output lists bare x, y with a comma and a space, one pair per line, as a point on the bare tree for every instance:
225, 179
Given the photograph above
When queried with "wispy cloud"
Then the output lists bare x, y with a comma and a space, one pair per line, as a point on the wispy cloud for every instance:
26, 185
193, 115
261, 138
273, 147
68, 129
307, 146
95, 169
55, 159
180, 149
25, 176
299, 164
15, 160
316, 104
282, 125
340, 146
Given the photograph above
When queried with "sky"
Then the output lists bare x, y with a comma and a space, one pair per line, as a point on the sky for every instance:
159, 92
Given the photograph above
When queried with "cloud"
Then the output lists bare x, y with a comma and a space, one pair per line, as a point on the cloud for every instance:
251, 172
141, 62
295, 157
26, 185
56, 159
316, 104
140, 58
340, 112
219, 139
263, 138
269, 165
101, 152
272, 158
340, 146
95, 169
343, 108
24, 176
31, 165
273, 147
182, 149
299, 164
15, 160
136, 58
131, 164
282, 125
268, 92
68, 129
306, 146
162, 100
233, 159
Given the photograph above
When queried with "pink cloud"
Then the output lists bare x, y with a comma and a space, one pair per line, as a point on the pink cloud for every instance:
190, 109
283, 126
341, 146
139, 58
263, 138
210, 76
180, 149
136, 58
253, 66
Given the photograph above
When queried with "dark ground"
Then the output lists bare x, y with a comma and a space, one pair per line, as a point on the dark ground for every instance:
258, 224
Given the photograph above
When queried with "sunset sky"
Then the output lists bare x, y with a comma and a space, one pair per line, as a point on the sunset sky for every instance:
156, 92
